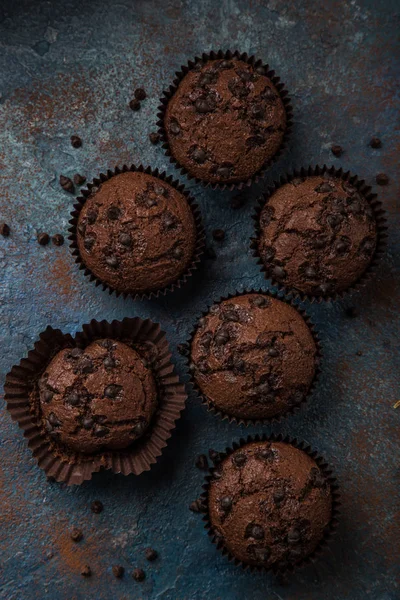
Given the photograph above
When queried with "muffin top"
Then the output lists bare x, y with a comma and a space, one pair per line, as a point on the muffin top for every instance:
318, 235
269, 504
100, 398
225, 121
136, 233
253, 356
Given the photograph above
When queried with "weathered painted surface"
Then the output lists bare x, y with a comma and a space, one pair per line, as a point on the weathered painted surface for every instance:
70, 67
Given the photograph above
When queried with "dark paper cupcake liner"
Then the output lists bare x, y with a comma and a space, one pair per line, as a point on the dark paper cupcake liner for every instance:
292, 409
21, 395
362, 188
330, 530
200, 234
227, 55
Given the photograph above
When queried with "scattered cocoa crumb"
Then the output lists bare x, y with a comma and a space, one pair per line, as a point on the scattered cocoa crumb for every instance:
67, 184
359, 353
337, 150
76, 534
218, 234
79, 179
118, 571
43, 239
375, 143
382, 179
154, 138
97, 506
58, 239
134, 104
198, 506
4, 230
151, 554
138, 574
86, 571
139, 94
76, 141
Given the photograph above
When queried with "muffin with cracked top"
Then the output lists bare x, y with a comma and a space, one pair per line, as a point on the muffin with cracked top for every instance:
225, 121
136, 233
269, 504
253, 357
100, 398
317, 235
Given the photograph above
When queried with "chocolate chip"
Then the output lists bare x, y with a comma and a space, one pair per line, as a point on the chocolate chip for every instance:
76, 534
273, 352
118, 571
151, 554
226, 503
75, 353
112, 261
254, 531
139, 428
278, 496
159, 190
76, 141
342, 246
324, 188
113, 213
67, 184
255, 140
224, 172
138, 575
325, 288
53, 420
210, 253
208, 78
310, 273
89, 242
86, 571
217, 473
375, 143
43, 239
204, 105
294, 536
218, 235
257, 111
337, 150
47, 396
278, 273
139, 94
88, 423
58, 239
221, 338
97, 507
260, 301
109, 362
239, 459
92, 215
73, 399
101, 431
225, 64
134, 104
177, 252
334, 220
79, 179
174, 127
267, 454
320, 243
199, 155
112, 391
296, 181
214, 456
367, 246
269, 94
4, 230
201, 462
125, 239
154, 138
239, 364
169, 221
261, 70
317, 479
382, 179
86, 365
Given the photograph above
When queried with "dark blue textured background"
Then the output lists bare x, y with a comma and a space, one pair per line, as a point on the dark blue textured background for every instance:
69, 67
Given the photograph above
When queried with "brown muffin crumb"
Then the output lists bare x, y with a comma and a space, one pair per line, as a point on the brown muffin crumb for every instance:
138, 575
43, 239
76, 534
154, 138
58, 239
67, 184
76, 141
97, 507
118, 571
375, 143
79, 179
140, 94
134, 104
382, 179
86, 571
151, 554
4, 230
337, 150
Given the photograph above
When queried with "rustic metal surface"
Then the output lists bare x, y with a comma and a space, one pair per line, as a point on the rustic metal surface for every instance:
70, 67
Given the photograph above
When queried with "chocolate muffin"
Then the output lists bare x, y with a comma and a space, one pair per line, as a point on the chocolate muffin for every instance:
100, 398
253, 357
269, 504
318, 235
136, 233
225, 121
